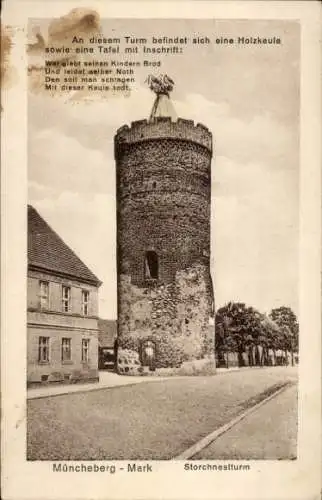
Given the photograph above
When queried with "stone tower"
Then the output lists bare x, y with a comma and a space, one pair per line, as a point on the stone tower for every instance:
165, 293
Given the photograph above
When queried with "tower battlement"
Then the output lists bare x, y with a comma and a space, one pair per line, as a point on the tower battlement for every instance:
163, 188
164, 128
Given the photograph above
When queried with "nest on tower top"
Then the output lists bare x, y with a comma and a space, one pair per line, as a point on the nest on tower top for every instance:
162, 106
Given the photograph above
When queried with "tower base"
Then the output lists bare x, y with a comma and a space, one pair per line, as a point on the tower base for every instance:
165, 325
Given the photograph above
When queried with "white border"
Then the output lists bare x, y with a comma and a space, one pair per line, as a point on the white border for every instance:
299, 479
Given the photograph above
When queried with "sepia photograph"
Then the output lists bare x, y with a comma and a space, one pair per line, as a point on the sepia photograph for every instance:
163, 238
161, 250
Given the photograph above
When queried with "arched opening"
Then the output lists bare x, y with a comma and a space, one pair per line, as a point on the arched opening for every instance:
151, 265
148, 354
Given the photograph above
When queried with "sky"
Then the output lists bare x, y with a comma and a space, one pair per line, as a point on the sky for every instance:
248, 96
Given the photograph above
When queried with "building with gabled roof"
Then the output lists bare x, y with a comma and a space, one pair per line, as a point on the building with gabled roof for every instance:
107, 343
107, 329
62, 309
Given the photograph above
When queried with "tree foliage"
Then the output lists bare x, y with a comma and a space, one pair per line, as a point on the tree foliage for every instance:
287, 321
243, 329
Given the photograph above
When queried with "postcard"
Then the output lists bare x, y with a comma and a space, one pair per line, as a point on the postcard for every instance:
161, 254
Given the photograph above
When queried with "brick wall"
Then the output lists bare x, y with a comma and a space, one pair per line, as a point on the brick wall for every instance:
163, 195
162, 127
163, 206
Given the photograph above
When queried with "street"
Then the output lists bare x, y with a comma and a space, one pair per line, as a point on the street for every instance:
161, 419
268, 433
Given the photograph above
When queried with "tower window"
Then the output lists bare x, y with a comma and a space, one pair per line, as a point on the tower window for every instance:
154, 185
151, 265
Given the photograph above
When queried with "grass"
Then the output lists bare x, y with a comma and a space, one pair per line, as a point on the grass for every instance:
263, 395
152, 420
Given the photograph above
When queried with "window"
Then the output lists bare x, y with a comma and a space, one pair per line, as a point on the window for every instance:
85, 301
66, 298
44, 294
85, 350
151, 265
43, 350
66, 349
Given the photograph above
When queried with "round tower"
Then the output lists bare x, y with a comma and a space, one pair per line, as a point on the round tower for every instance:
165, 293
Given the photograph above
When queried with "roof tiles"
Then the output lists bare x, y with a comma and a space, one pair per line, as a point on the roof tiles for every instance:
46, 250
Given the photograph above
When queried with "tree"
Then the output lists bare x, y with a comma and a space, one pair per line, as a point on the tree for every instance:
272, 336
238, 329
220, 339
287, 321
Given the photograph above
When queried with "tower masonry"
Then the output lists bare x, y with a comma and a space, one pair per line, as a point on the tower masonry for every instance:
165, 292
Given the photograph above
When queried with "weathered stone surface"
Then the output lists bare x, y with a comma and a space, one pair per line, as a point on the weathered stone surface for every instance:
163, 207
163, 127
128, 362
175, 316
